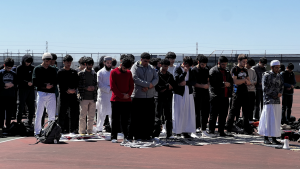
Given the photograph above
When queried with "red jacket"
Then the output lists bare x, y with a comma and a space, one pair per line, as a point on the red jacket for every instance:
121, 83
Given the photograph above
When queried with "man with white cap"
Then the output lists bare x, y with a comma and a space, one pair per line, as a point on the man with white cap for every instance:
272, 85
44, 79
104, 93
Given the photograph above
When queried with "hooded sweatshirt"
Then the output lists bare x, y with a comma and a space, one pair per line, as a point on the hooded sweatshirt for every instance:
24, 74
142, 77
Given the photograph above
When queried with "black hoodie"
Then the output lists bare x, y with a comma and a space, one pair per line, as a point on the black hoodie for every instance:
24, 74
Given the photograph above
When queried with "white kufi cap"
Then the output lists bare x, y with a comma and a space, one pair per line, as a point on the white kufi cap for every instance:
275, 63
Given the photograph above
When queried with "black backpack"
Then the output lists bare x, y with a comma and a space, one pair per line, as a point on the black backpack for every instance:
51, 134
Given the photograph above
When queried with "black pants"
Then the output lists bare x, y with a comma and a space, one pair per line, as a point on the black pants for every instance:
239, 101
202, 108
7, 104
218, 107
258, 103
287, 102
142, 118
68, 101
120, 118
251, 96
163, 114
26, 97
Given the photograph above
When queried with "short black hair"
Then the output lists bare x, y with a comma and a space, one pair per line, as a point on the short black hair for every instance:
242, 57
89, 60
55, 62
29, 58
54, 57
263, 60
126, 62
222, 59
290, 66
68, 58
122, 56
153, 61
202, 59
195, 62
9, 62
188, 60
132, 57
250, 62
82, 60
145, 55
165, 62
282, 67
114, 62
171, 55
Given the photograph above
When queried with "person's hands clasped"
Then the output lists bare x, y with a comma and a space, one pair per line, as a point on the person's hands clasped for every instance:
126, 96
145, 89
183, 83
29, 84
49, 86
8, 85
206, 86
227, 84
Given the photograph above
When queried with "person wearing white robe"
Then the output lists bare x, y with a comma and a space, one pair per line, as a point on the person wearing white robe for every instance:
183, 109
104, 93
270, 119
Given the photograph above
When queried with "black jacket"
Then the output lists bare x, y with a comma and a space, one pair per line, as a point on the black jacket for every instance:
179, 77
8, 77
42, 76
164, 81
24, 74
216, 88
67, 79
289, 79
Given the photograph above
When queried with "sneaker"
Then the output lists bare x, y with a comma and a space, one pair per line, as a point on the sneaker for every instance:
194, 135
82, 134
198, 130
114, 141
205, 134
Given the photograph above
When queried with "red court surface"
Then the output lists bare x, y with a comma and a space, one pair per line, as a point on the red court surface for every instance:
104, 154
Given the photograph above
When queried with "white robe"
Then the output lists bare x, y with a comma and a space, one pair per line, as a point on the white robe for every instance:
270, 121
103, 104
183, 112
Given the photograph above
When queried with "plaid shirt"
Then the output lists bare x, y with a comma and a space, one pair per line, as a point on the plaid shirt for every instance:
81, 85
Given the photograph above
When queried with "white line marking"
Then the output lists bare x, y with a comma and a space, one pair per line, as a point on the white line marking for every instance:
11, 139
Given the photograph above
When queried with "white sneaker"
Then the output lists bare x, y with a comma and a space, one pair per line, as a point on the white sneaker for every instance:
114, 141
205, 134
194, 135
198, 130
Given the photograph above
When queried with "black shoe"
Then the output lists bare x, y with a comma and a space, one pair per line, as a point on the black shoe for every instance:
275, 142
186, 135
223, 134
267, 142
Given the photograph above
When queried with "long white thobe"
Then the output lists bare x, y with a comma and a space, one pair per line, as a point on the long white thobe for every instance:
183, 112
104, 95
270, 120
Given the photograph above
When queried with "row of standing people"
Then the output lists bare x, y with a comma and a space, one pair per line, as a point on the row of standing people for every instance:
182, 100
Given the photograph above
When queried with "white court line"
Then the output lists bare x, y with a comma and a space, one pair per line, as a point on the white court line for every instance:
11, 139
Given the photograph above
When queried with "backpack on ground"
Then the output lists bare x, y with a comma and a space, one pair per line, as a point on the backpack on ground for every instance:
50, 134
